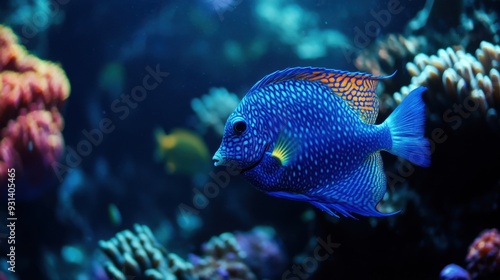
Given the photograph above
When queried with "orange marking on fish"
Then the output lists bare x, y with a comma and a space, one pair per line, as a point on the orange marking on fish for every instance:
344, 82
317, 77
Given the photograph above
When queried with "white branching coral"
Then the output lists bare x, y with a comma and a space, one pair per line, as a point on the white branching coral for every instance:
299, 28
454, 75
214, 108
138, 254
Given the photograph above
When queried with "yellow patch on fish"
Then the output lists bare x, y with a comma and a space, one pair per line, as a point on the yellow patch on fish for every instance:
285, 149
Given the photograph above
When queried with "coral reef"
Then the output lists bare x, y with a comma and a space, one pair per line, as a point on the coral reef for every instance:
138, 254
483, 258
300, 28
478, 22
214, 108
262, 251
454, 76
67, 211
389, 54
466, 23
223, 259
32, 19
25, 12
32, 94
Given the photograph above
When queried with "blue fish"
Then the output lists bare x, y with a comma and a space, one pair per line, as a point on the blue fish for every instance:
309, 134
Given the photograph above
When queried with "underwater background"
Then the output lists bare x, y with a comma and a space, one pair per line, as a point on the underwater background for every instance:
110, 113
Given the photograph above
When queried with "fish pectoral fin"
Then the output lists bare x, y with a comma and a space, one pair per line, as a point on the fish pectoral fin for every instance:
286, 148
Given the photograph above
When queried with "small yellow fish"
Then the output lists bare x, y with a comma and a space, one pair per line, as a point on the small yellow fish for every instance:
183, 151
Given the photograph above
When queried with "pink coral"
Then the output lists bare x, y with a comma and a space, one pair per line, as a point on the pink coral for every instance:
32, 94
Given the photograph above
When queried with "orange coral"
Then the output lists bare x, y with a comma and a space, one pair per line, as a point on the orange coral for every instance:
32, 94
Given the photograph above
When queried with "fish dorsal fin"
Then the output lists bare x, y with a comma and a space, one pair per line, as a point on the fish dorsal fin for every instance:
355, 88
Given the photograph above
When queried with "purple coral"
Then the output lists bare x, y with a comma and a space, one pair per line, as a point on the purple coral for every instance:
263, 252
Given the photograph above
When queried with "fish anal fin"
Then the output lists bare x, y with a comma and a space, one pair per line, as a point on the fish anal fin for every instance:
359, 193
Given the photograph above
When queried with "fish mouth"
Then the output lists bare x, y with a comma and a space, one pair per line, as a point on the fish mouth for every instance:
219, 160
257, 162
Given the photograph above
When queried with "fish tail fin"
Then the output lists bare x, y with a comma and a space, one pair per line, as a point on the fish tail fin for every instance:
407, 126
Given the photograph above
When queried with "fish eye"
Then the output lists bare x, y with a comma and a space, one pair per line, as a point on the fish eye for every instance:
239, 126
